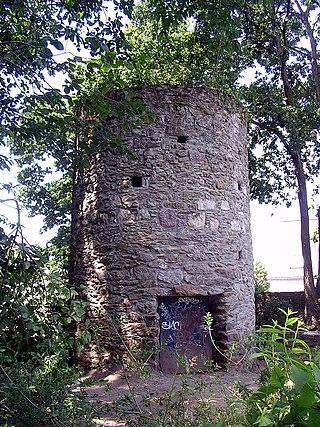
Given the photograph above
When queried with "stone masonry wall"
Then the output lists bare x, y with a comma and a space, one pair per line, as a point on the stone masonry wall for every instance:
173, 221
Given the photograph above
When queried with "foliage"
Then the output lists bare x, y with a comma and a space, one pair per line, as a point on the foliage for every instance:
289, 394
270, 308
267, 306
174, 54
36, 303
35, 35
260, 279
41, 394
37, 307
215, 27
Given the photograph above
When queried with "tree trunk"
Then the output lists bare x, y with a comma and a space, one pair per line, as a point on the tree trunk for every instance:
311, 312
311, 305
318, 277
283, 69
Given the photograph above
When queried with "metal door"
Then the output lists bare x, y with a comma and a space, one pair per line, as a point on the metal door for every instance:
184, 334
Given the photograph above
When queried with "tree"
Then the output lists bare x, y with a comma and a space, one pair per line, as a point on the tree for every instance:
40, 118
279, 38
284, 104
176, 53
260, 278
34, 34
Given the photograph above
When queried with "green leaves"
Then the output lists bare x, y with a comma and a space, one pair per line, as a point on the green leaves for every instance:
40, 393
36, 301
31, 33
165, 47
299, 377
282, 99
289, 394
106, 67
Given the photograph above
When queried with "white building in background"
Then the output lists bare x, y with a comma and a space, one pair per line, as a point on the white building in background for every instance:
277, 245
286, 284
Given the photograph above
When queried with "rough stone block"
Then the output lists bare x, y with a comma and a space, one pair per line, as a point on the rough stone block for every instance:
197, 220
225, 205
173, 277
168, 218
206, 205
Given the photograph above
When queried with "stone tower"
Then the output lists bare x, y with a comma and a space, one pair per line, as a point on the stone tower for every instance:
165, 236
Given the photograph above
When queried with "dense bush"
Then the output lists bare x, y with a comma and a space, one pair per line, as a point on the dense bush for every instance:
268, 309
37, 307
41, 394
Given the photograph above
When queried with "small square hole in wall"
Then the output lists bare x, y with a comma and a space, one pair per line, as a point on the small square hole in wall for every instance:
182, 139
136, 181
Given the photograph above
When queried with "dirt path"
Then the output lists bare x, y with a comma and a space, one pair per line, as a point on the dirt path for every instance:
213, 388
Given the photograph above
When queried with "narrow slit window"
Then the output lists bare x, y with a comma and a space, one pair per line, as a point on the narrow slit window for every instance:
136, 181
182, 139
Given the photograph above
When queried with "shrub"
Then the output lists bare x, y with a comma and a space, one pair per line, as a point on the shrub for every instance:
36, 308
270, 308
289, 394
267, 307
41, 395
37, 305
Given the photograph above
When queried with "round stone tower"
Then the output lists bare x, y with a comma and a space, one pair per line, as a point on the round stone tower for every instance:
162, 237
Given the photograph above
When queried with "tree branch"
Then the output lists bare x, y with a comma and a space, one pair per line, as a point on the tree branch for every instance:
304, 16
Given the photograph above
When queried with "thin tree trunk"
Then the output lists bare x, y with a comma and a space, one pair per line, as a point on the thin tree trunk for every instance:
318, 278
312, 313
283, 70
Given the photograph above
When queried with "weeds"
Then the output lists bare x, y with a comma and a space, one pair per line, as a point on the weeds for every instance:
288, 393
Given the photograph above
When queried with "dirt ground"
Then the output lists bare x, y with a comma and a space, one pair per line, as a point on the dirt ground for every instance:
115, 384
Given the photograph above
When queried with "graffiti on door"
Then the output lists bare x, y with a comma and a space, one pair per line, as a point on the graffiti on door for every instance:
183, 329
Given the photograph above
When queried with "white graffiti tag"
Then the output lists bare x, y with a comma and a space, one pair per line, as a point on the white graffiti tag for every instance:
171, 324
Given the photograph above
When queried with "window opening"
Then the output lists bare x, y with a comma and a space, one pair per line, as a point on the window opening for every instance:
136, 181
182, 139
